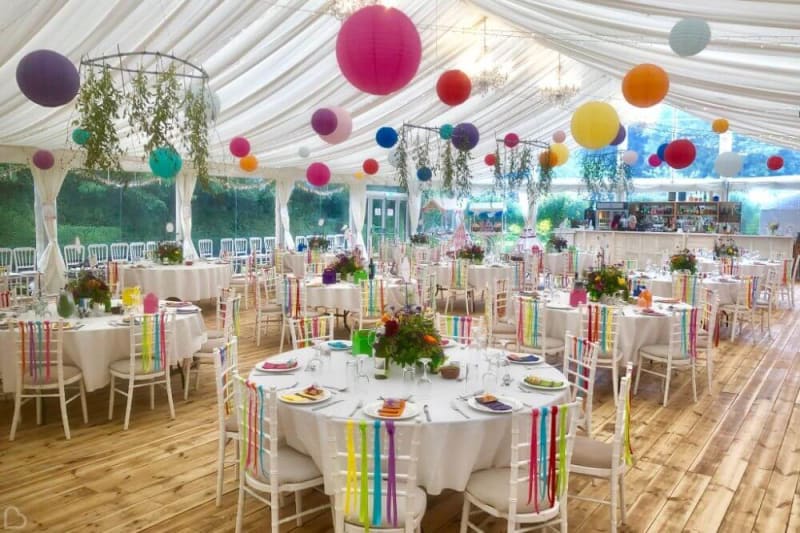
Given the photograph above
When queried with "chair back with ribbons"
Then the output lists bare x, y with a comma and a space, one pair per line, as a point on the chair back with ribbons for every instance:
293, 297
256, 410
373, 298
119, 251
228, 314
621, 449
308, 330
686, 287
580, 367
458, 328
373, 470
226, 362
497, 306
600, 325
99, 252
6, 296
747, 292
151, 339
459, 274
39, 345
709, 316
683, 333
572, 262
728, 266
531, 322
518, 275
266, 287
532, 264
541, 452
426, 289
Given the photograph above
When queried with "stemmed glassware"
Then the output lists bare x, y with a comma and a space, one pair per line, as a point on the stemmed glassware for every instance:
409, 379
425, 385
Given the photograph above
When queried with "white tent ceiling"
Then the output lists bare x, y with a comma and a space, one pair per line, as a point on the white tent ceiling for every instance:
273, 63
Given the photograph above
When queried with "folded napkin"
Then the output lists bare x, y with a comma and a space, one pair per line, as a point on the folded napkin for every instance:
338, 345
522, 358
667, 300
179, 304
541, 382
285, 365
309, 394
487, 400
445, 342
651, 312
392, 407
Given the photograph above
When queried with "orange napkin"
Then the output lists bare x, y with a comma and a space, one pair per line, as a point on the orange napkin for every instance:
392, 408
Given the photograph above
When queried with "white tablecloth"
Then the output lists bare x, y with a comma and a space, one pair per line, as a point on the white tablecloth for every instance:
556, 263
98, 343
200, 281
478, 276
345, 296
451, 446
746, 267
726, 290
295, 262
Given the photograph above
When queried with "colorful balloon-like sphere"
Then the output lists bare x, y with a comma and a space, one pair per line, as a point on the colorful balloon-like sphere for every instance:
720, 125
446, 131
370, 166
80, 136
621, 134
680, 153
645, 85
303, 152
48, 78
630, 157
689, 36
511, 140
318, 174
774, 162
561, 153
344, 126
43, 159
559, 136
490, 160
453, 87
239, 146
386, 137
465, 136
378, 49
654, 160
424, 174
248, 163
165, 162
594, 124
661, 151
728, 164
324, 121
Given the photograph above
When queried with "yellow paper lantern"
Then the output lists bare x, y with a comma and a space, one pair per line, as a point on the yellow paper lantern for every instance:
594, 124
248, 163
561, 153
359, 175
720, 125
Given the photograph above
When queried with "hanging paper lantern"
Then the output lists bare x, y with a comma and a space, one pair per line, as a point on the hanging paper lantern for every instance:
239, 146
165, 162
318, 174
630, 157
548, 158
654, 160
344, 126
559, 136
661, 150
48, 78
680, 153
465, 136
303, 152
378, 49
370, 166
728, 164
248, 163
43, 159
594, 124
453, 87
424, 174
775, 162
621, 134
80, 136
720, 125
561, 152
359, 175
394, 158
511, 140
490, 160
689, 36
446, 131
386, 137
324, 121
645, 85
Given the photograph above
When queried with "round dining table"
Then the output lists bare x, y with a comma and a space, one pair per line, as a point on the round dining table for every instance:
747, 267
726, 287
295, 262
455, 441
346, 296
478, 276
191, 283
556, 263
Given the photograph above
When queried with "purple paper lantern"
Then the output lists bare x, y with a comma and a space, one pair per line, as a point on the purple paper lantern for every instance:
48, 78
621, 134
465, 136
324, 121
43, 159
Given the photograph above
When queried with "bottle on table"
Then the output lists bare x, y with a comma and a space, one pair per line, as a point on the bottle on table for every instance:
371, 269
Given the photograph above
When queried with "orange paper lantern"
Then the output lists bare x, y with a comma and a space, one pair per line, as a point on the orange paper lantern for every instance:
720, 125
248, 163
548, 158
645, 85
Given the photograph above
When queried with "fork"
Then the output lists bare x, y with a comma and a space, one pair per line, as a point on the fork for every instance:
359, 405
293, 385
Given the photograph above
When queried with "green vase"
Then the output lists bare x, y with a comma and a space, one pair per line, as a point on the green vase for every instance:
66, 304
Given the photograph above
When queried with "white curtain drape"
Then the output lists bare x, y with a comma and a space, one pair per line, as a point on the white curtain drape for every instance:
533, 211
184, 189
283, 191
46, 185
414, 204
358, 211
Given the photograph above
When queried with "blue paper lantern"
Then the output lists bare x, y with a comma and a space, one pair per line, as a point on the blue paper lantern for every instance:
661, 150
446, 131
386, 137
80, 136
424, 174
165, 162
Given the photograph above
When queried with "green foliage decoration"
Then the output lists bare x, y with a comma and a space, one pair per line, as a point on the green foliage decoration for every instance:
98, 107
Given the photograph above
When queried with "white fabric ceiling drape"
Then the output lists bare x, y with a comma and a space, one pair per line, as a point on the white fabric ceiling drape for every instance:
283, 192
414, 204
185, 183
358, 211
47, 184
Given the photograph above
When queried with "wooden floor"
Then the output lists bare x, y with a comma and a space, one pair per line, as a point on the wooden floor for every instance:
729, 462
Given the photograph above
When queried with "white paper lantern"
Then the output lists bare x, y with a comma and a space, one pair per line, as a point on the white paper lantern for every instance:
728, 164
630, 157
303, 152
689, 36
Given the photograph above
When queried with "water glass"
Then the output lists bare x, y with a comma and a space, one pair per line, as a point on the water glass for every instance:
425, 385
409, 380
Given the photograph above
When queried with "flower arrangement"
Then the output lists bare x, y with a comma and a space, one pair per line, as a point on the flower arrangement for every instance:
726, 246
773, 227
419, 238
559, 244
318, 242
472, 252
347, 263
170, 252
406, 336
90, 286
607, 281
683, 260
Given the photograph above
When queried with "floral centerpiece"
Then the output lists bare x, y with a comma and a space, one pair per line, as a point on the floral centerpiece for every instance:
683, 260
726, 247
473, 252
606, 281
170, 252
90, 286
347, 263
773, 227
419, 238
559, 244
318, 242
406, 336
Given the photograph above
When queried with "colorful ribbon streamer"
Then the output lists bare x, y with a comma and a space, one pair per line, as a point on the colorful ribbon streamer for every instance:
377, 479
351, 486
363, 512
391, 481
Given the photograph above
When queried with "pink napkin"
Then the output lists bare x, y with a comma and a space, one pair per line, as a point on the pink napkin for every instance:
266, 365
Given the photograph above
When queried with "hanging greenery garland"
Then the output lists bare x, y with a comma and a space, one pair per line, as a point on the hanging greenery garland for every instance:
98, 107
605, 173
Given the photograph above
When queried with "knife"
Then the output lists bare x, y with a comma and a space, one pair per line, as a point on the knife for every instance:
317, 408
427, 412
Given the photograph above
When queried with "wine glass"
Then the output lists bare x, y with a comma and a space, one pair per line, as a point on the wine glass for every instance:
489, 377
409, 377
425, 385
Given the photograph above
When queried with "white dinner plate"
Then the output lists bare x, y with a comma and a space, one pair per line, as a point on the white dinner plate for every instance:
287, 397
527, 385
340, 346
371, 410
515, 404
535, 362
258, 368
449, 344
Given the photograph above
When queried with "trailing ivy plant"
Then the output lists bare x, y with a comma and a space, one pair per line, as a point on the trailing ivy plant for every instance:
164, 109
195, 134
447, 165
605, 173
462, 174
401, 159
98, 107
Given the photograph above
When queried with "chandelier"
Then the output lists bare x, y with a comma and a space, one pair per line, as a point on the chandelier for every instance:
558, 94
341, 9
488, 76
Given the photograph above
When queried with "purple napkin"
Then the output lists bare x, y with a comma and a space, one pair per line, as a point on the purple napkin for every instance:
494, 405
522, 358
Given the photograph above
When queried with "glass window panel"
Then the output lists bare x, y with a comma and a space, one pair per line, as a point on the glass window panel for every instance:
17, 226
319, 211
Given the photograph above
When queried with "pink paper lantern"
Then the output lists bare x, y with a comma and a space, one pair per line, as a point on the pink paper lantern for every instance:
318, 174
239, 146
559, 136
150, 303
511, 140
378, 49
344, 126
654, 160
43, 159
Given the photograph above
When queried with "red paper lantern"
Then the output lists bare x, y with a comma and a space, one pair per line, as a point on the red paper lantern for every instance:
511, 140
654, 160
453, 87
775, 162
370, 166
680, 153
490, 160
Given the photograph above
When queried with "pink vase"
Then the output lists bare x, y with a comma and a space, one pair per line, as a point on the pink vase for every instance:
150, 303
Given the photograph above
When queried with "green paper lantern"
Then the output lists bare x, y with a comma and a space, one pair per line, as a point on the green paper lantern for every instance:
80, 136
165, 162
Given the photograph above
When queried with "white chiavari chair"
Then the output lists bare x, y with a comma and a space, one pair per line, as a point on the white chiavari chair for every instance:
119, 252
205, 247
73, 256
25, 259
136, 251
99, 252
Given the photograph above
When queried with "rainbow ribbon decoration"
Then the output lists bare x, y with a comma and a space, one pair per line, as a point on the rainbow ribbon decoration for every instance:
377, 479
153, 343
5, 299
458, 327
391, 482
223, 357
35, 352
601, 326
547, 466
363, 513
528, 325
373, 297
689, 332
316, 326
627, 450
351, 486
